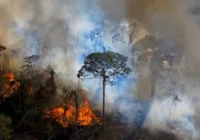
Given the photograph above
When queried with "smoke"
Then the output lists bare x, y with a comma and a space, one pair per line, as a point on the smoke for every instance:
43, 28
63, 32
176, 23
170, 20
175, 118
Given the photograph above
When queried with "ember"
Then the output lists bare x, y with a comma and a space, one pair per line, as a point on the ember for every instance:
65, 118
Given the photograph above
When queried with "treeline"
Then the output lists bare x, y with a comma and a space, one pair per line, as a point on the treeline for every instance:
23, 108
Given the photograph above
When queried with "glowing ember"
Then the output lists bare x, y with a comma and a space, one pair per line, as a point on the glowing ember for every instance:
85, 115
9, 88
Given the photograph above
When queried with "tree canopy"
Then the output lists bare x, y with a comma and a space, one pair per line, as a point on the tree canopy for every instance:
105, 65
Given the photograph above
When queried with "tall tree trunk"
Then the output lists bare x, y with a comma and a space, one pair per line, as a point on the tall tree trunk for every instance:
153, 81
76, 102
1, 62
10, 65
154, 68
103, 117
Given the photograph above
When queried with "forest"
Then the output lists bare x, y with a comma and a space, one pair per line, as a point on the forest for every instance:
31, 108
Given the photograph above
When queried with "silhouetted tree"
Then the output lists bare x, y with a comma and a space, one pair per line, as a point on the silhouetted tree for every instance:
107, 66
30, 63
2, 48
50, 82
155, 57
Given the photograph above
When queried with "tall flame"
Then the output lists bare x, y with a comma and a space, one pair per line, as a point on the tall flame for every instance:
65, 118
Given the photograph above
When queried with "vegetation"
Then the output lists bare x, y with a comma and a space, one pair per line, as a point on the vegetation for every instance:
31, 109
28, 96
23, 106
5, 129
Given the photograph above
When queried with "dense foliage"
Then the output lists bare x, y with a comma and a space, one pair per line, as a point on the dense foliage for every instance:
107, 65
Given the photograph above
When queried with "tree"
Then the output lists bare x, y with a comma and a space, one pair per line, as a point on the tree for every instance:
2, 48
30, 64
106, 66
157, 58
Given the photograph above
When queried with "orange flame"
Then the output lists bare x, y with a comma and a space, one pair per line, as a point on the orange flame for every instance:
11, 86
85, 115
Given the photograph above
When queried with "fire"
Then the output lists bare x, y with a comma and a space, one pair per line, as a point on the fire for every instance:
57, 114
65, 118
13, 84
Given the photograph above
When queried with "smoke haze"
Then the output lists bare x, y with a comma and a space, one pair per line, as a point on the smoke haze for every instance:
59, 30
